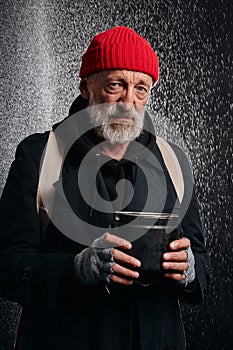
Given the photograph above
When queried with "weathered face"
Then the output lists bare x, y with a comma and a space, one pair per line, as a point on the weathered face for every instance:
119, 97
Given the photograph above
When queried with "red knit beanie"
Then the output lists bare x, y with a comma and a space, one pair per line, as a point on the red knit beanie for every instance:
120, 48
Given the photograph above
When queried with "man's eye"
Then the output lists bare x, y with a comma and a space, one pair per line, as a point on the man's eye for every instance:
142, 89
115, 85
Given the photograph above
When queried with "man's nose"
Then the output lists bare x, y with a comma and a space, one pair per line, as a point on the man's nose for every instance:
126, 100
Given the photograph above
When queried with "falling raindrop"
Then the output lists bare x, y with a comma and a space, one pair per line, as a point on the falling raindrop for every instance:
42, 44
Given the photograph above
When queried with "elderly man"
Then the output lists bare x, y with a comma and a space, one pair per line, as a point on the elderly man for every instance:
83, 290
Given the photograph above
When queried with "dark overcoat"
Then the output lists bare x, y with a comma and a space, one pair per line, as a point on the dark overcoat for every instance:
37, 271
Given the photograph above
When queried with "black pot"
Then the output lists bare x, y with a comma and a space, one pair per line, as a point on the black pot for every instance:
153, 233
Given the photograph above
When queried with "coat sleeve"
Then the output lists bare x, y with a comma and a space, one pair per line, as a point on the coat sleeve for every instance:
191, 224
196, 292
25, 273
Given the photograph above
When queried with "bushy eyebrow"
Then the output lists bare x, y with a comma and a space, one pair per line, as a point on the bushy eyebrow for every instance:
142, 82
115, 78
121, 79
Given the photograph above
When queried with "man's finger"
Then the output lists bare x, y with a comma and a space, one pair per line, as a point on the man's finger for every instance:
175, 276
176, 256
125, 259
178, 244
120, 280
176, 266
124, 272
115, 241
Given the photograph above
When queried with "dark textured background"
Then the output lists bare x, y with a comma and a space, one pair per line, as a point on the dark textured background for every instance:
41, 46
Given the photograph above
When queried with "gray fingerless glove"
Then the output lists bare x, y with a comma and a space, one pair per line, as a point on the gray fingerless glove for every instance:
190, 273
94, 264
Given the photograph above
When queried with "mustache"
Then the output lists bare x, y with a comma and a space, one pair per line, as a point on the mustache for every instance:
116, 112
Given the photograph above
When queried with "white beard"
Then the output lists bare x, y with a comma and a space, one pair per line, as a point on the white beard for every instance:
101, 117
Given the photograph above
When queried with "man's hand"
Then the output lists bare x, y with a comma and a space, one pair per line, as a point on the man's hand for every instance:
103, 261
176, 260
122, 272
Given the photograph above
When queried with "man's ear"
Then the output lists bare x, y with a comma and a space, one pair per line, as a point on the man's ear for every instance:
83, 88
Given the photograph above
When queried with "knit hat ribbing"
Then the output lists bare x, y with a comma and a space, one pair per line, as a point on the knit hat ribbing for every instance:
120, 48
